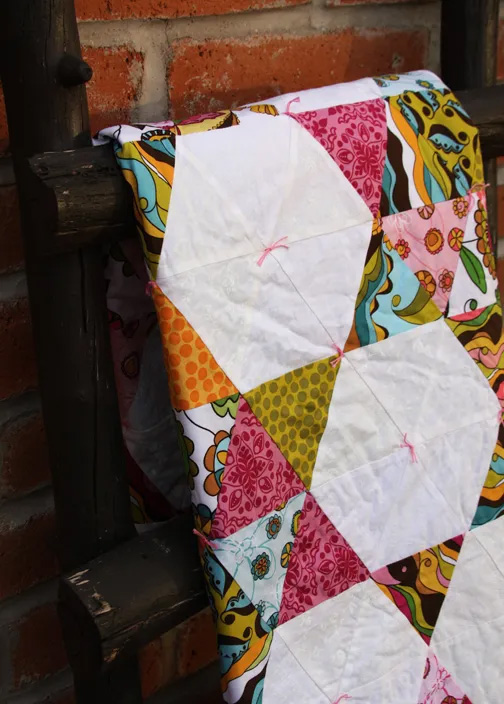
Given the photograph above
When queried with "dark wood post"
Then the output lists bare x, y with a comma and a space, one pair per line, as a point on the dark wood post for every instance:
43, 74
469, 32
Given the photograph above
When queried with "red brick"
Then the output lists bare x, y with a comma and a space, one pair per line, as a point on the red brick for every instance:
26, 554
11, 244
37, 648
4, 133
332, 3
500, 52
24, 461
17, 355
178, 653
228, 72
122, 9
158, 663
116, 82
197, 646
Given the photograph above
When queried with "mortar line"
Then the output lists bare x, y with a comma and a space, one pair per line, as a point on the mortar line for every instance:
309, 20
47, 687
16, 607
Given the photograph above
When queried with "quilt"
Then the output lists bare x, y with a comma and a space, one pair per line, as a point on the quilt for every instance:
325, 285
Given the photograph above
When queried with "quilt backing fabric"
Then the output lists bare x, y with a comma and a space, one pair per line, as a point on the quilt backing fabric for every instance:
324, 280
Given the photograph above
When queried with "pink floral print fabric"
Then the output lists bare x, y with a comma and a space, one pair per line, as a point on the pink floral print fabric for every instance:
429, 240
321, 566
257, 478
356, 138
438, 686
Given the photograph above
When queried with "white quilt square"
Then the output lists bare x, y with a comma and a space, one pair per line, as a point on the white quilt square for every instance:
357, 643
239, 189
286, 681
327, 272
476, 592
389, 509
426, 382
327, 96
358, 429
457, 464
251, 317
469, 634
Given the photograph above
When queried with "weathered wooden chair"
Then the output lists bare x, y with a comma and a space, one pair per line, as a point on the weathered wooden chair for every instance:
120, 590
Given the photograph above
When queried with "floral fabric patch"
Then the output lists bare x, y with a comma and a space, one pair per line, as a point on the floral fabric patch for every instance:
481, 334
243, 639
418, 584
429, 240
204, 436
257, 478
391, 298
475, 278
258, 556
321, 566
395, 83
433, 151
355, 137
438, 686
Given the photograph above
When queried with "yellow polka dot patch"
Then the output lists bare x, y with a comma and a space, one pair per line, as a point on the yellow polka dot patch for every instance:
194, 376
293, 409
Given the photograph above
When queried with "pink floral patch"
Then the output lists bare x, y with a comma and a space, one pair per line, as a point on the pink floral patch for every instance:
434, 235
356, 138
321, 566
257, 478
438, 686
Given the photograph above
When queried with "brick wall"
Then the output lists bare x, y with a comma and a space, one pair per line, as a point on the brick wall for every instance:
192, 55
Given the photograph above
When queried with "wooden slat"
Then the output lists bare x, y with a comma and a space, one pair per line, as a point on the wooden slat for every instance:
469, 30
132, 594
91, 198
486, 108
468, 42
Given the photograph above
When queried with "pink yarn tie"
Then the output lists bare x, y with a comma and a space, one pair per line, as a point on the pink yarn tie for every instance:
410, 446
294, 100
477, 190
342, 698
268, 250
479, 187
339, 357
206, 541
148, 287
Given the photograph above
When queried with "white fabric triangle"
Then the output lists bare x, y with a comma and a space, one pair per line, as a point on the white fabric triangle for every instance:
358, 431
359, 644
286, 681
470, 630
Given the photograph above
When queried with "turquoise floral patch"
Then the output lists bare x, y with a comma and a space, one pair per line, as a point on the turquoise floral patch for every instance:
257, 557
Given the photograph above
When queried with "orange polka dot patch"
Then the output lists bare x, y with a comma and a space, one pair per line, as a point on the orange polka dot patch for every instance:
293, 409
194, 377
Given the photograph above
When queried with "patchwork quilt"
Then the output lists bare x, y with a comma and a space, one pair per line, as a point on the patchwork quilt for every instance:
323, 276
